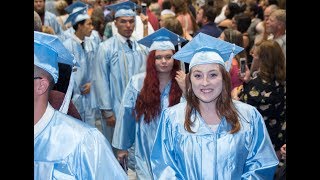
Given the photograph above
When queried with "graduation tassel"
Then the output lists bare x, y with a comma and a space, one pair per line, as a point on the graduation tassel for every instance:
182, 66
67, 98
179, 44
229, 62
135, 17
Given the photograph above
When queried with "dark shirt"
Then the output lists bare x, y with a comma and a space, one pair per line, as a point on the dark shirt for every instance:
64, 77
210, 29
269, 99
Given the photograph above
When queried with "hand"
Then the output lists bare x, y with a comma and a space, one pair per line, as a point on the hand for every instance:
246, 77
235, 92
111, 121
144, 19
121, 154
85, 89
283, 151
180, 78
187, 35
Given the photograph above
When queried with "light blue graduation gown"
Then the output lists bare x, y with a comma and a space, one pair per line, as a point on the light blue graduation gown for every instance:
85, 58
93, 38
247, 154
51, 20
115, 64
67, 148
128, 130
66, 34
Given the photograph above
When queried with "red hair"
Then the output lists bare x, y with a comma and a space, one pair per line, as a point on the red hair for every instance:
148, 102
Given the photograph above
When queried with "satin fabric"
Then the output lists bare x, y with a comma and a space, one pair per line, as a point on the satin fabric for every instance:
115, 64
94, 37
128, 131
178, 154
67, 148
85, 58
50, 19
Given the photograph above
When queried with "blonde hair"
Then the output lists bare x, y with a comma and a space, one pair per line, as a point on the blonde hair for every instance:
48, 29
60, 5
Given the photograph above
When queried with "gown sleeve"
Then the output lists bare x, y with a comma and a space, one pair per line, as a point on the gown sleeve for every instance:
101, 79
97, 160
124, 132
262, 161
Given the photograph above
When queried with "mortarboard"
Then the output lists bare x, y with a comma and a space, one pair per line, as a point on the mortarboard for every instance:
162, 39
75, 7
205, 49
77, 16
123, 8
48, 52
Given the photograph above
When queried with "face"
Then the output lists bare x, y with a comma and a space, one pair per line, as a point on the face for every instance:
248, 12
86, 28
266, 14
163, 61
227, 11
39, 6
199, 16
125, 25
206, 81
255, 60
271, 24
254, 52
234, 25
222, 36
161, 21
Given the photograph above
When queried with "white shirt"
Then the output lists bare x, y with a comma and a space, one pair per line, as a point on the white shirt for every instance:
138, 30
214, 127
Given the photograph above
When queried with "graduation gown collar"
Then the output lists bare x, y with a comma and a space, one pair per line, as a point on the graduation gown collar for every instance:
201, 128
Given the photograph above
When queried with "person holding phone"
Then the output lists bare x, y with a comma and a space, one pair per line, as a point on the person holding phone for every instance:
152, 18
144, 8
243, 62
266, 91
234, 36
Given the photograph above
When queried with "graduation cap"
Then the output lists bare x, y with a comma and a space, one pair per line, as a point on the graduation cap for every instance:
162, 39
48, 52
123, 8
78, 16
75, 7
205, 49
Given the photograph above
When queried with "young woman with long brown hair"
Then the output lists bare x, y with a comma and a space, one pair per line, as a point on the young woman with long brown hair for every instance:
211, 136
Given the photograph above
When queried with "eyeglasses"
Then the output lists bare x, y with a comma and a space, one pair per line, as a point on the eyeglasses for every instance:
37, 77
167, 57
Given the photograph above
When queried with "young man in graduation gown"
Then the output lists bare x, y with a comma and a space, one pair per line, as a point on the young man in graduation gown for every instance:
64, 147
118, 58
